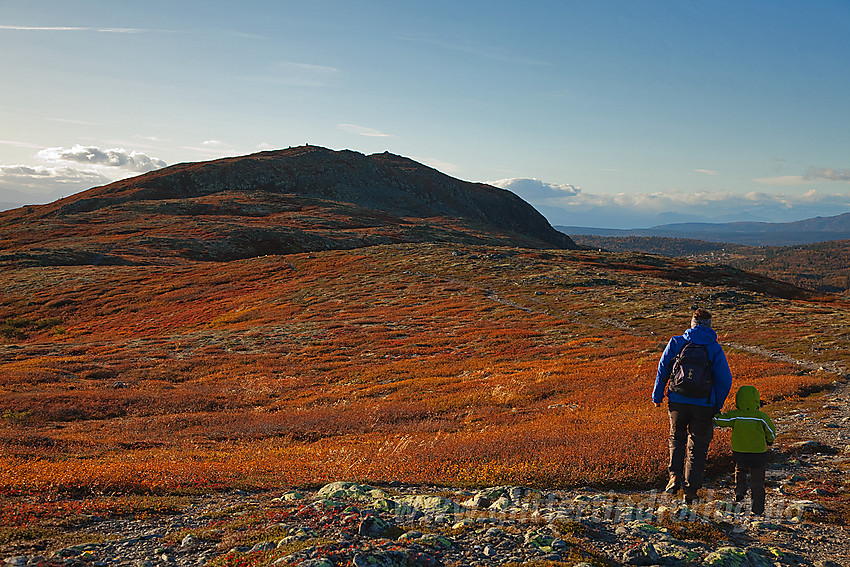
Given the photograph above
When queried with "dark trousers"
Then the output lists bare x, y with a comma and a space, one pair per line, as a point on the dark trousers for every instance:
691, 430
755, 464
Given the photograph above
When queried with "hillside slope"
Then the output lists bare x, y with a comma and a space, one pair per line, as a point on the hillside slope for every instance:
822, 267
295, 200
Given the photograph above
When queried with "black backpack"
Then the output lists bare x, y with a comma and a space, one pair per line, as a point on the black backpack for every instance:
691, 374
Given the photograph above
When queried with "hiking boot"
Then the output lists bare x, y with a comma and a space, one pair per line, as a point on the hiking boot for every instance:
740, 497
673, 486
690, 498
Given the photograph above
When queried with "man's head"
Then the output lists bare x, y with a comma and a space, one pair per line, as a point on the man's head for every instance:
701, 317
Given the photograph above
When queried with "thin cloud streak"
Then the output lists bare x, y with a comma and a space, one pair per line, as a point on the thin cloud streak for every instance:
479, 50
89, 29
20, 144
294, 74
364, 131
783, 180
74, 121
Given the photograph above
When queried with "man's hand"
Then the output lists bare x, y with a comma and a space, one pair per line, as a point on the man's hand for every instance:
657, 404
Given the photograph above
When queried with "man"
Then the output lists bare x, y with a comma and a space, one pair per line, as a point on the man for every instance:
691, 416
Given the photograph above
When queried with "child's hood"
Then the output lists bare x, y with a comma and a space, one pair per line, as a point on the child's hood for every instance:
747, 398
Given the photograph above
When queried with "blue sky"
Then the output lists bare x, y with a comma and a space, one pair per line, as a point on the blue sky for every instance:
600, 113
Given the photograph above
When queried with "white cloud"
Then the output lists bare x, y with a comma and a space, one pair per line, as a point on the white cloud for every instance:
565, 204
706, 171
69, 171
213, 143
363, 131
812, 175
29, 185
531, 189
26, 173
828, 174
94, 156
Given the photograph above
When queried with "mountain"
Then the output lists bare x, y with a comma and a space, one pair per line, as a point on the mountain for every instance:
808, 231
295, 200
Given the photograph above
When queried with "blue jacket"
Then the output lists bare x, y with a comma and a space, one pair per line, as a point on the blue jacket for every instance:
700, 335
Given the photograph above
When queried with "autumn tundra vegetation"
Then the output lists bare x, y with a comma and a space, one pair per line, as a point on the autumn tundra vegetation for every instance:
417, 363
302, 316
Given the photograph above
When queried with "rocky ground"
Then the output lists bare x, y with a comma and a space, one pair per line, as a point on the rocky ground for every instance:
345, 523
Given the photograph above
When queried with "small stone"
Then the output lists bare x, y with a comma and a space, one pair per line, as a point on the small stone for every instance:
494, 532
409, 536
463, 523
374, 526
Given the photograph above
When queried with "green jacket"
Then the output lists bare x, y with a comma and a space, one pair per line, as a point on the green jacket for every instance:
752, 430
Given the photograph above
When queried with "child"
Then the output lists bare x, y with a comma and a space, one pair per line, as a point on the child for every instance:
752, 432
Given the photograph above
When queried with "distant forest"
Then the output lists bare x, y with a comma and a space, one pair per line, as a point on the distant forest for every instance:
821, 267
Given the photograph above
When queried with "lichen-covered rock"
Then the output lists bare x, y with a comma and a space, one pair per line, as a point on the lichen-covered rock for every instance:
675, 553
727, 557
540, 540
429, 503
349, 491
435, 541
291, 495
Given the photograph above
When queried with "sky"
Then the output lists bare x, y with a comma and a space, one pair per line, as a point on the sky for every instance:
617, 114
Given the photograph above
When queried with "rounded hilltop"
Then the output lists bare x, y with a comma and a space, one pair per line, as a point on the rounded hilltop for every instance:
298, 199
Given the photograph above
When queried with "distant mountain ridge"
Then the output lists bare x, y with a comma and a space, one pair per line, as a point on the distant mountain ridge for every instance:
807, 231
295, 200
